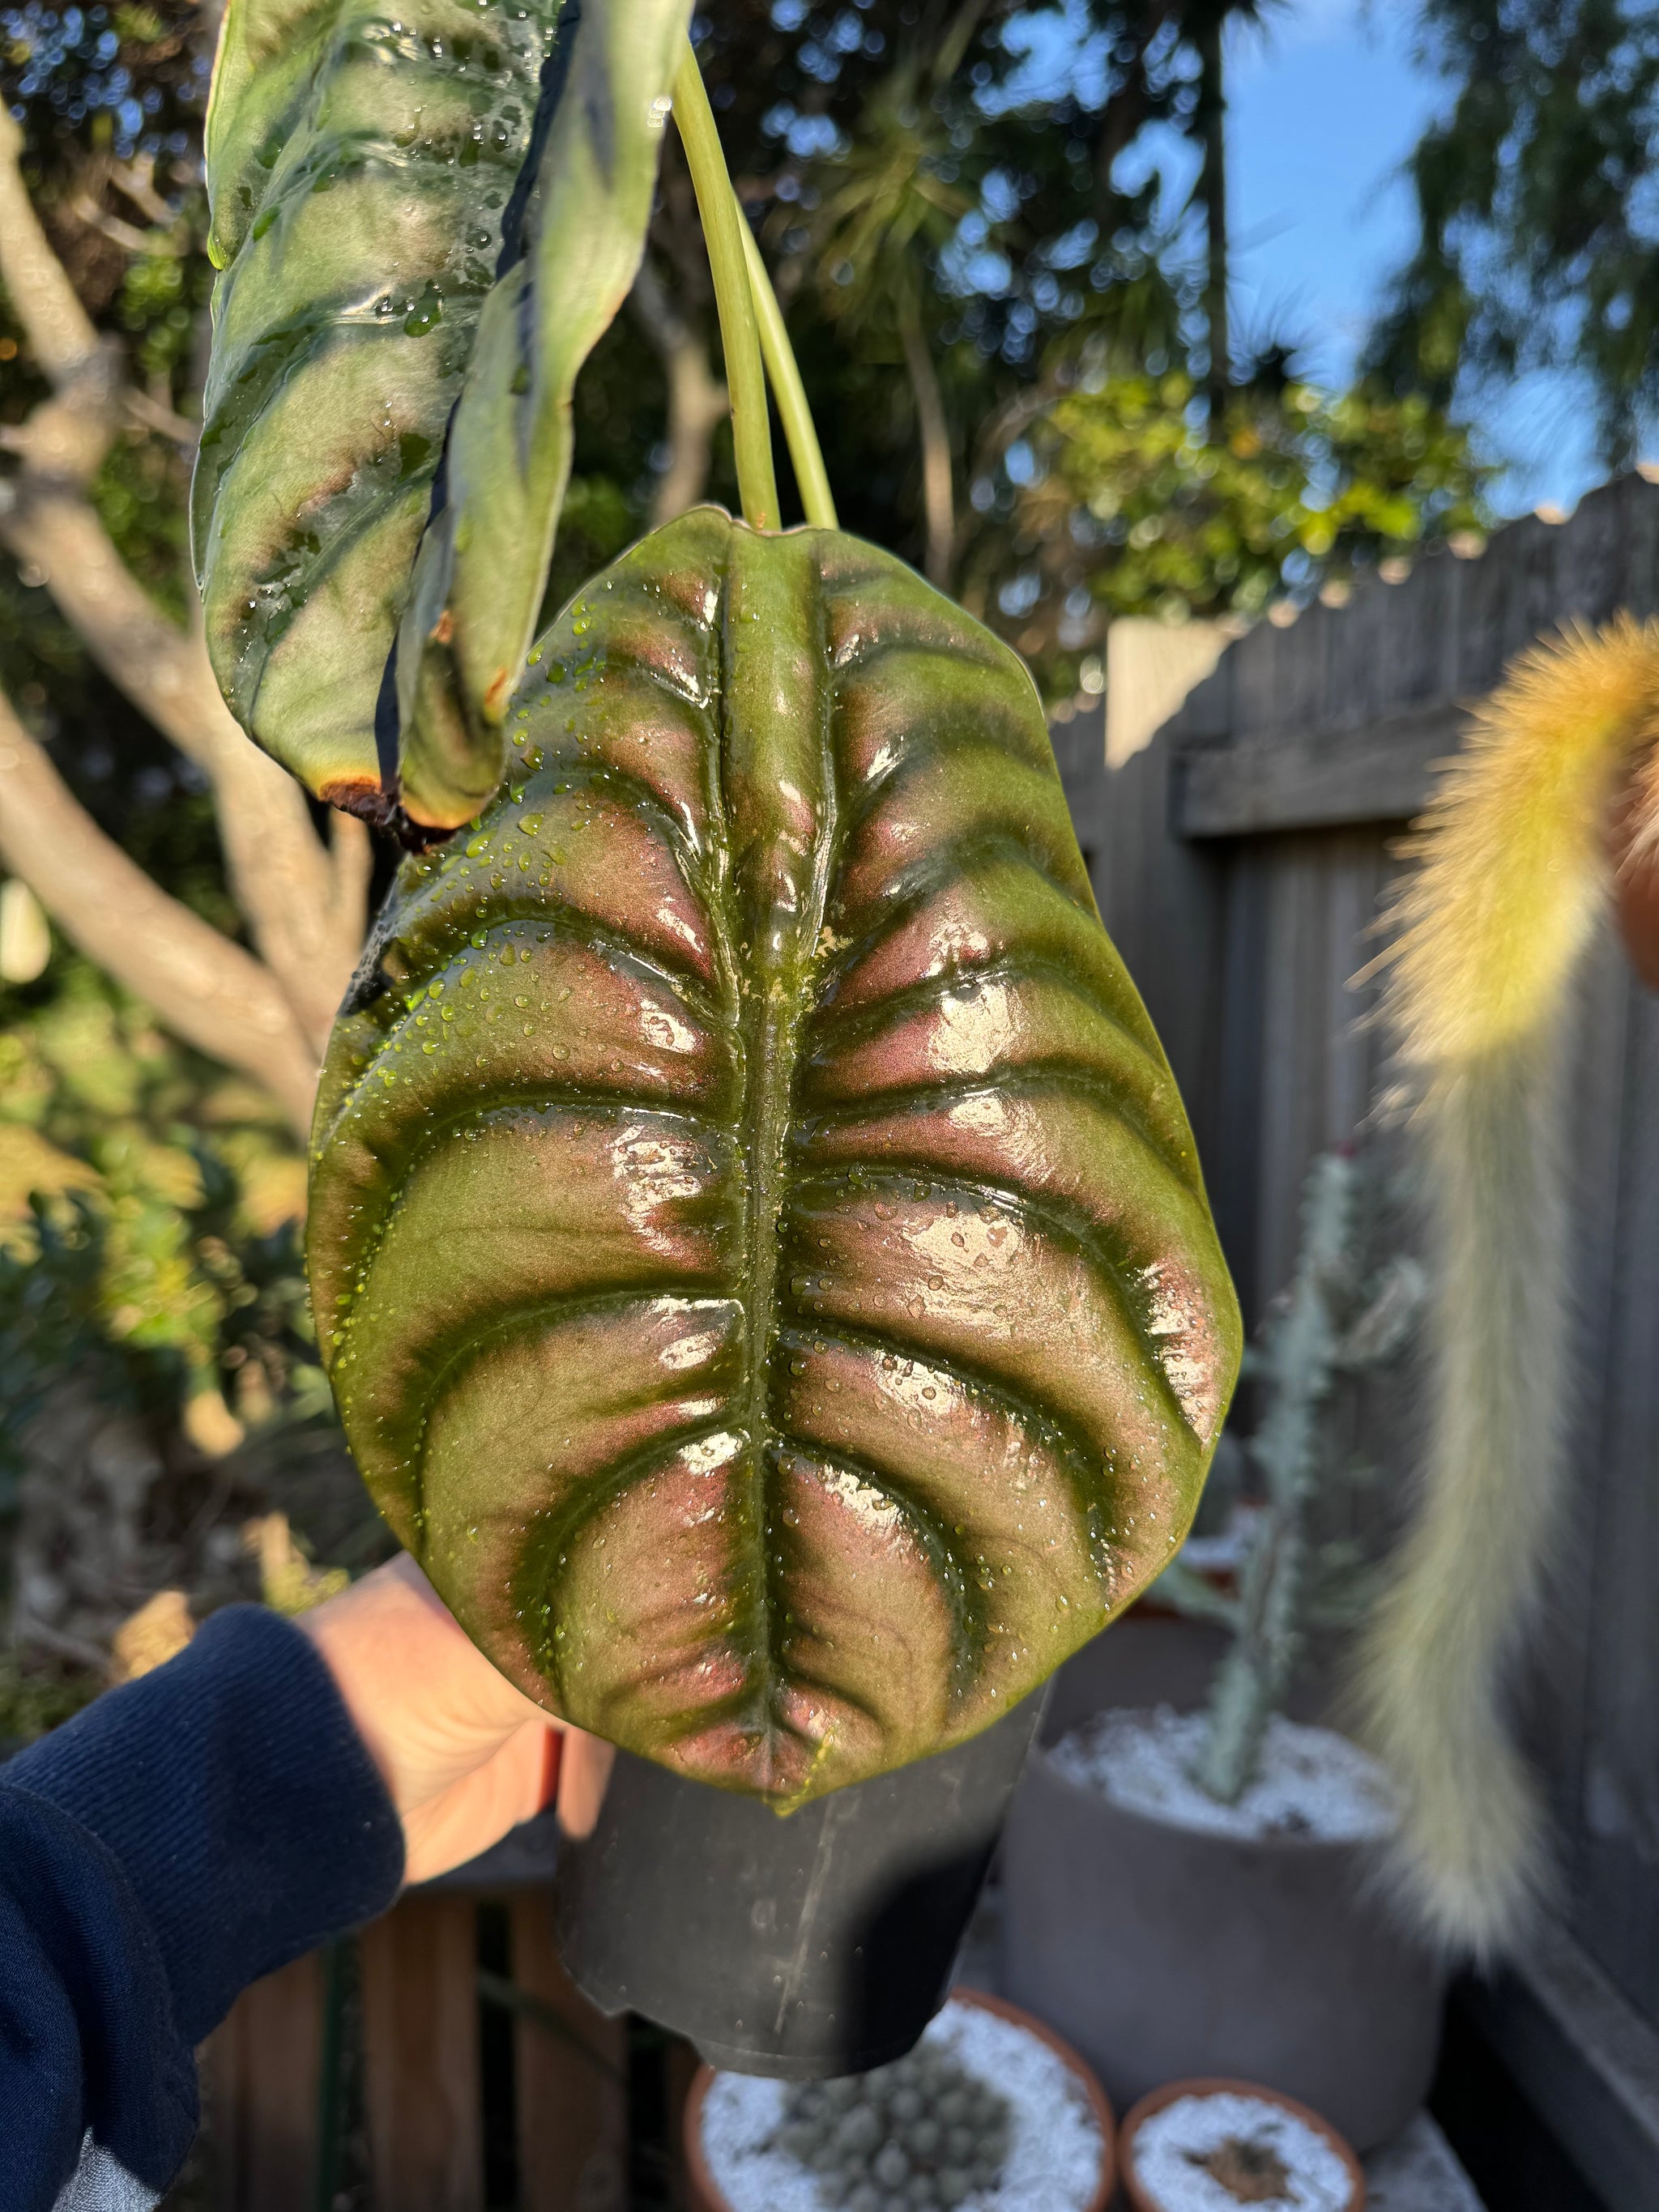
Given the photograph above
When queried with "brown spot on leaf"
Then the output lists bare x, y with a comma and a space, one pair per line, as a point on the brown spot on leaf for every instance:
382, 810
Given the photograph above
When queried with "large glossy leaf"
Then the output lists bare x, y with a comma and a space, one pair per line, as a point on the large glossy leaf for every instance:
756, 1240
381, 181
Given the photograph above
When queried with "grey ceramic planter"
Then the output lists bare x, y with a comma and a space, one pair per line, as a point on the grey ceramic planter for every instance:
1160, 1953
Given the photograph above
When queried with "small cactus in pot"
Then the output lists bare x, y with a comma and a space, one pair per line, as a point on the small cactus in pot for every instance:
1340, 1317
903, 2139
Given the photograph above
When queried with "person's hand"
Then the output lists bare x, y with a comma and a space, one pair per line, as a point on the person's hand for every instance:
463, 1756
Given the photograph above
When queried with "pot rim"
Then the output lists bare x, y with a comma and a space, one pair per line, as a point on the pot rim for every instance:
1363, 1848
1210, 2084
708, 2197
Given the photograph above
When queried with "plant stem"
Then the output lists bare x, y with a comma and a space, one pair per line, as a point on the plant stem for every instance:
812, 478
936, 494
723, 228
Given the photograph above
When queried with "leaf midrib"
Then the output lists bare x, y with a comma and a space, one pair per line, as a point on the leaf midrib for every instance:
777, 1018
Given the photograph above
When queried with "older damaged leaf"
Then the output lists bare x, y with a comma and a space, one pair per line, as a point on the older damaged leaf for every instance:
361, 164
483, 565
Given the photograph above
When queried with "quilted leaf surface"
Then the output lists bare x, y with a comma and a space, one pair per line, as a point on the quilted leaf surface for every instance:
483, 564
757, 1245
361, 161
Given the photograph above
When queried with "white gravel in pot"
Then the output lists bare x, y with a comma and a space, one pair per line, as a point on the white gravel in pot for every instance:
1218, 2151
1054, 2152
1314, 1784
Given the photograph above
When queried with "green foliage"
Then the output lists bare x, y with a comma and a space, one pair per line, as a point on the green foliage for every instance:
598, 519
139, 493
124, 82
35, 1699
958, 168
893, 202
148, 1224
131, 781
1536, 232
1127, 501
164, 295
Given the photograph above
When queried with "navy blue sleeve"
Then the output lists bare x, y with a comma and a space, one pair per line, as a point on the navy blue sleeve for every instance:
180, 1838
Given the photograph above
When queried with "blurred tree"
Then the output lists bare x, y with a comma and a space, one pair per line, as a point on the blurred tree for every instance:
1538, 238
161, 1200
1128, 497
1207, 23
944, 193
1124, 453
101, 351
159, 1382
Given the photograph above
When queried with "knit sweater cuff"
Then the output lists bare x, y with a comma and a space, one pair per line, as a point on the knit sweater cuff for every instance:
237, 1798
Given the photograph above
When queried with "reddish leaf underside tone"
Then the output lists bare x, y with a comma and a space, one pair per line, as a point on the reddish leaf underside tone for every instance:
757, 1246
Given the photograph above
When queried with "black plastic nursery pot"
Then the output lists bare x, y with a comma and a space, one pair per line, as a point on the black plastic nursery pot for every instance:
816, 1945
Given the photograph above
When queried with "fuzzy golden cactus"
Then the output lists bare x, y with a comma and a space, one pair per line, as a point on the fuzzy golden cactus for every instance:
1546, 818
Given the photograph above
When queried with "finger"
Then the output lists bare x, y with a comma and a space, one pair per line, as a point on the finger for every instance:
584, 1770
427, 1703
499, 1703
479, 1810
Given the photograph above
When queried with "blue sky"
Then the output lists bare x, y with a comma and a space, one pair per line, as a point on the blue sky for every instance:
1323, 110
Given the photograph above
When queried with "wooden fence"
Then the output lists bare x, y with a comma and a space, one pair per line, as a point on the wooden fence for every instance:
440, 2061
1238, 859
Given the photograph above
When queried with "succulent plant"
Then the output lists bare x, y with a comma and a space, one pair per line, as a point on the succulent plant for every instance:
757, 1243
920, 2133
1339, 1319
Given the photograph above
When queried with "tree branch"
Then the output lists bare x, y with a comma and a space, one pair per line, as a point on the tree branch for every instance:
697, 401
304, 916
351, 864
59, 331
939, 505
206, 989
280, 871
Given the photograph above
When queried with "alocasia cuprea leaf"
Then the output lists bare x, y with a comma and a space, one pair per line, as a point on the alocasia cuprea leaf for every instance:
757, 1244
381, 180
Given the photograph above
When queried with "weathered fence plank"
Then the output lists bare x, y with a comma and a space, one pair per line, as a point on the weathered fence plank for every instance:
263, 2072
1313, 778
571, 2087
421, 2086
1616, 1883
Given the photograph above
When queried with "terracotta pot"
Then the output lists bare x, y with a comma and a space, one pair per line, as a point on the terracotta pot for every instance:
1210, 2086
707, 2198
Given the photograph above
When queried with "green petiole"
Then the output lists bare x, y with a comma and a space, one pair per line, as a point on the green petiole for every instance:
812, 477
751, 326
724, 230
